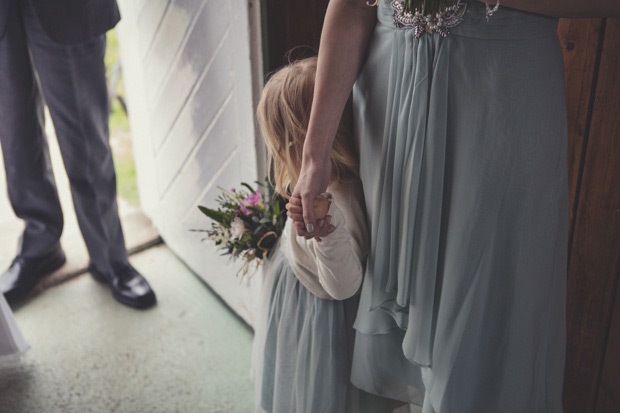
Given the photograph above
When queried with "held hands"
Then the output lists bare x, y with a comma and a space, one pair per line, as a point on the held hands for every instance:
320, 209
313, 180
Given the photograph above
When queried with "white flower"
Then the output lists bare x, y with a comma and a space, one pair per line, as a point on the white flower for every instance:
237, 228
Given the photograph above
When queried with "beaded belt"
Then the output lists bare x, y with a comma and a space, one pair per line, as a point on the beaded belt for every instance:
438, 22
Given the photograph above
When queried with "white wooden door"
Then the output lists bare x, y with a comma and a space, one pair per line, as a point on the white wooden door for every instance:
188, 76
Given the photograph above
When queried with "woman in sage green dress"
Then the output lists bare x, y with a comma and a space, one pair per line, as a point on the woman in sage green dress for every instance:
461, 129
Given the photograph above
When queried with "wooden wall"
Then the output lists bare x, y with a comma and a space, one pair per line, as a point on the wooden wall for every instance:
289, 24
592, 56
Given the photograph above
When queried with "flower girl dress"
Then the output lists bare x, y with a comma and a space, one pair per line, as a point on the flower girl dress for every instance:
304, 337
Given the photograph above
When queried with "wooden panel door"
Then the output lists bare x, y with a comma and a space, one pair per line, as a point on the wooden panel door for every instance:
189, 82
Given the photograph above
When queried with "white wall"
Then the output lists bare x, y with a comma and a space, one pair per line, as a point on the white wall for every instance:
192, 72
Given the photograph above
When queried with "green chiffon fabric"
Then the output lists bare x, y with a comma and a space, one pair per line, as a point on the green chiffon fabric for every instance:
303, 349
463, 157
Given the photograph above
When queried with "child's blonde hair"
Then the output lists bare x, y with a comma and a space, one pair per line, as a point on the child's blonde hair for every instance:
283, 115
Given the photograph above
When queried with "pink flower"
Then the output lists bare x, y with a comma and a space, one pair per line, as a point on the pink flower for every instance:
253, 200
244, 209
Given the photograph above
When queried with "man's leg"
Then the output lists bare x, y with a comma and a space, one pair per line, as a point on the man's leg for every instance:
30, 181
73, 82
74, 86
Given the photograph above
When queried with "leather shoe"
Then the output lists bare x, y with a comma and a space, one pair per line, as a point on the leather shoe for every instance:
127, 285
24, 274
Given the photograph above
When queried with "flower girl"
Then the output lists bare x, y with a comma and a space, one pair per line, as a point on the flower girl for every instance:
304, 337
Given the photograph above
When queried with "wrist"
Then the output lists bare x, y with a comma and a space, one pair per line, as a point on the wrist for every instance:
315, 156
317, 145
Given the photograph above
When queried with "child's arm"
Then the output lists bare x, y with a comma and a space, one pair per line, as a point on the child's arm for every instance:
338, 256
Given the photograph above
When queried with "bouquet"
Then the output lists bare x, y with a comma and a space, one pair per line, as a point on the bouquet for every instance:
246, 225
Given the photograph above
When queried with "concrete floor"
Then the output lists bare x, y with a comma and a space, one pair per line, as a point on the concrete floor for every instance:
90, 354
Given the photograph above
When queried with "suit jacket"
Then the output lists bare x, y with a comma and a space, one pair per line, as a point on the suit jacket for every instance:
69, 21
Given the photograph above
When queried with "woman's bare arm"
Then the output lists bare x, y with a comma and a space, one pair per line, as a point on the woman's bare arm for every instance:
565, 8
344, 40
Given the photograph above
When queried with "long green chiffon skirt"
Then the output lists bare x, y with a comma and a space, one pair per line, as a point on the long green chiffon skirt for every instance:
462, 143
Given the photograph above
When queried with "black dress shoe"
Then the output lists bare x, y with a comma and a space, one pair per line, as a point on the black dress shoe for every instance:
127, 285
24, 274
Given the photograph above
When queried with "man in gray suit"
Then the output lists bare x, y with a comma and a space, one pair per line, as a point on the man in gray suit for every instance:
53, 51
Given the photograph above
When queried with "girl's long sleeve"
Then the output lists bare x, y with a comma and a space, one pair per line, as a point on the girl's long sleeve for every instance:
333, 268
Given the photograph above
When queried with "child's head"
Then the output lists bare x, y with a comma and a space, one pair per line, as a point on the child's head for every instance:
283, 116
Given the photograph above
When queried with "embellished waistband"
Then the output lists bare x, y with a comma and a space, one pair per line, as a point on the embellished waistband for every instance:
467, 18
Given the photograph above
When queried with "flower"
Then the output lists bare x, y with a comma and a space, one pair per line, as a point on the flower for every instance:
254, 199
237, 228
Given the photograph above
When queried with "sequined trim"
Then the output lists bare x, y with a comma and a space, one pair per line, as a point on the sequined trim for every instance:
439, 23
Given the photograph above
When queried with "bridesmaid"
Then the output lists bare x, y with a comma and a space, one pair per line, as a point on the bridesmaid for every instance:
462, 143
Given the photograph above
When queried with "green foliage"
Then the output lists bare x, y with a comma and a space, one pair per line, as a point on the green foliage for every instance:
118, 117
119, 129
126, 179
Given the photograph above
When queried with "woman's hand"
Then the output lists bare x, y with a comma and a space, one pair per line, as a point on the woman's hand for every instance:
312, 182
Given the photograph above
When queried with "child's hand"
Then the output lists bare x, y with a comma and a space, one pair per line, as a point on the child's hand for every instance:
321, 207
295, 210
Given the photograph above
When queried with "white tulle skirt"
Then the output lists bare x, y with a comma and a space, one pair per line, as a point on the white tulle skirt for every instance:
12, 343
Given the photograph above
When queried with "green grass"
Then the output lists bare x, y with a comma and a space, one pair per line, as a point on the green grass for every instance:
119, 125
126, 179
118, 118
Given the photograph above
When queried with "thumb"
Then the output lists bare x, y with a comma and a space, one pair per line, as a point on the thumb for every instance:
307, 204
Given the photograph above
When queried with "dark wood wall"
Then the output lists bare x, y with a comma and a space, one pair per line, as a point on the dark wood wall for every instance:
291, 24
592, 57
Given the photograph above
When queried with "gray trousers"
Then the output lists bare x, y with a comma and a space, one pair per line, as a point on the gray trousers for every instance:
71, 80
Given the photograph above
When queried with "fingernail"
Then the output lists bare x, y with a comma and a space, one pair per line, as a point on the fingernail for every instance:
320, 223
310, 227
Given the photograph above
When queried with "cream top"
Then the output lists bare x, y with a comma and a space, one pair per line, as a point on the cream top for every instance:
332, 268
